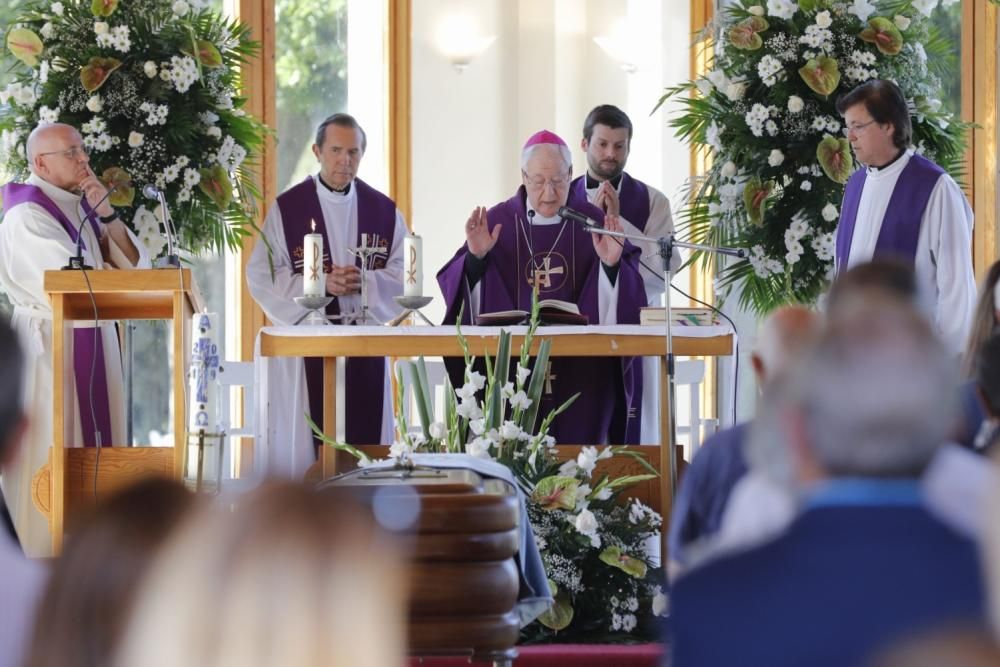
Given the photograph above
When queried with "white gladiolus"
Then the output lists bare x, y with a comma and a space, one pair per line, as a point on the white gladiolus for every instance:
437, 430
477, 379
520, 400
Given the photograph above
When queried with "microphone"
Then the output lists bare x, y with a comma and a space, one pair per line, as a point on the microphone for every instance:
76, 262
171, 260
567, 212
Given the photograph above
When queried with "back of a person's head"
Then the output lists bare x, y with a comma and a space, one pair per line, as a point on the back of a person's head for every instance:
287, 577
890, 275
782, 337
11, 381
89, 596
953, 647
875, 393
984, 319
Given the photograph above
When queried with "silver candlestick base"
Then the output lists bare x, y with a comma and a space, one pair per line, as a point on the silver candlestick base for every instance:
411, 305
316, 307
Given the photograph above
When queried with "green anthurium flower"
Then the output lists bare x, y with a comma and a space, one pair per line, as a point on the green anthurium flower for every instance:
216, 185
556, 493
822, 75
834, 157
206, 53
756, 195
119, 179
884, 34
25, 45
103, 7
808, 5
560, 614
96, 72
745, 34
633, 567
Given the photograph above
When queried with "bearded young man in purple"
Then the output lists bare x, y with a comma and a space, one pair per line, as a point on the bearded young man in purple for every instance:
523, 244
900, 204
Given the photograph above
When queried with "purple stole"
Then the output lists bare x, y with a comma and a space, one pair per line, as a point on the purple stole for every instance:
633, 199
901, 224
364, 377
569, 272
88, 343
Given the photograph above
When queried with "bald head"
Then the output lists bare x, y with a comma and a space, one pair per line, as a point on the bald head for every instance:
56, 154
782, 337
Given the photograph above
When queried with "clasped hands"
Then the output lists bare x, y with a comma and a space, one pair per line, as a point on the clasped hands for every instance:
343, 280
481, 240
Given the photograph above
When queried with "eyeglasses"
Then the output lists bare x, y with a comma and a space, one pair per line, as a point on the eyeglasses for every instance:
72, 153
857, 129
539, 182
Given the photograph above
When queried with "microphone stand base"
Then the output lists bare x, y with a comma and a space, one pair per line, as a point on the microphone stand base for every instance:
168, 262
77, 264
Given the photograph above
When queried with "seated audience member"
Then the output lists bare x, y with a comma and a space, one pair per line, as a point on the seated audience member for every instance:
950, 648
721, 462
862, 415
289, 577
985, 324
21, 579
90, 594
986, 377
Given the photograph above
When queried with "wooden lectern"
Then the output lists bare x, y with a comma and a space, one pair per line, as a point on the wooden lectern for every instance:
142, 294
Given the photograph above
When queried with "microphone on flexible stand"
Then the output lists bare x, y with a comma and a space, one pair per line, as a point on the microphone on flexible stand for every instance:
171, 260
76, 262
567, 212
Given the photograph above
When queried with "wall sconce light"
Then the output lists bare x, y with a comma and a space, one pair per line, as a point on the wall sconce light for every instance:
620, 46
459, 40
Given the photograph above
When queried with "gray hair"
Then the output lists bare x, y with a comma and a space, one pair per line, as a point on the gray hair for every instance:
876, 393
563, 152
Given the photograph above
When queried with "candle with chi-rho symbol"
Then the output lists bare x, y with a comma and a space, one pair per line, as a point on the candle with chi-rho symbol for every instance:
413, 269
313, 279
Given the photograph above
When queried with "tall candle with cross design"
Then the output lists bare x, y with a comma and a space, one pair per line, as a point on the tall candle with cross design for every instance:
313, 278
413, 269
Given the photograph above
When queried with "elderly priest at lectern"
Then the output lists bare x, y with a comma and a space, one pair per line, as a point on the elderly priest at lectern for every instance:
522, 244
61, 208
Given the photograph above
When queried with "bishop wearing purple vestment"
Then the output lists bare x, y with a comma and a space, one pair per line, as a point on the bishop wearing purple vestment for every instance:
61, 204
523, 244
900, 204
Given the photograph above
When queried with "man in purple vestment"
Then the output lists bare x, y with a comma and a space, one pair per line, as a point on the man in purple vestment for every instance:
607, 140
901, 204
347, 213
523, 244
62, 207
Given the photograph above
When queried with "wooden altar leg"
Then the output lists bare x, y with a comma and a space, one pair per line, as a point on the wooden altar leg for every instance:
61, 426
666, 451
182, 349
328, 456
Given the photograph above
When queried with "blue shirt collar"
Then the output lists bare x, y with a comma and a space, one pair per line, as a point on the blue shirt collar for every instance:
855, 491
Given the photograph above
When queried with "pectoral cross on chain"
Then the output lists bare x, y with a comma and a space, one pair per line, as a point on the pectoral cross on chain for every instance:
543, 273
549, 377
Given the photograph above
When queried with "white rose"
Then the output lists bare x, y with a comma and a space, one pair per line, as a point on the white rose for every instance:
756, 10
823, 19
586, 522
181, 8
729, 169
94, 103
704, 87
718, 79
829, 213
901, 21
149, 67
775, 158
736, 90
795, 104
101, 28
135, 139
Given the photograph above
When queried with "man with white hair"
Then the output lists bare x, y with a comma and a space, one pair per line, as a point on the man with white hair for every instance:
522, 245
861, 417
721, 463
62, 202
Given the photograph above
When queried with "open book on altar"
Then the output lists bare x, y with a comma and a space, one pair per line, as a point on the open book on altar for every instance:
550, 311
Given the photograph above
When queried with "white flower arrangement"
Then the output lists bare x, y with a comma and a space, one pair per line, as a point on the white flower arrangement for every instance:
778, 154
140, 109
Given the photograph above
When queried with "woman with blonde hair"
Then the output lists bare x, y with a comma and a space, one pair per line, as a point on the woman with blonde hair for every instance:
288, 577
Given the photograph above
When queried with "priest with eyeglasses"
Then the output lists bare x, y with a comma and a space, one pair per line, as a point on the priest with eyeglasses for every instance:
523, 244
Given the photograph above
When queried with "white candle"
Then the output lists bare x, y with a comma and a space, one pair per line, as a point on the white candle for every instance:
313, 278
203, 387
413, 267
